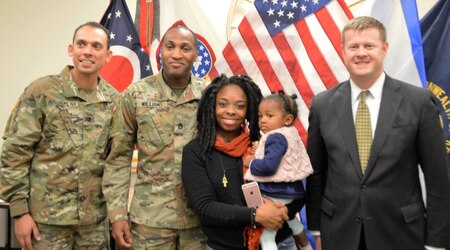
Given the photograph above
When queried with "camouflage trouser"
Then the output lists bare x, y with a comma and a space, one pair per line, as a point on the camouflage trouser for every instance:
92, 237
167, 239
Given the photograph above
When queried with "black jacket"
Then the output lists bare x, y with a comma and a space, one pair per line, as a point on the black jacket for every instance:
222, 210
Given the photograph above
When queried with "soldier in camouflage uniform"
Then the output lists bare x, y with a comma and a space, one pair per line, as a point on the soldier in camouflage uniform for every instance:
55, 148
158, 114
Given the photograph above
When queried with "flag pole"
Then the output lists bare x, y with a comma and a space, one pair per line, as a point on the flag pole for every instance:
355, 3
149, 25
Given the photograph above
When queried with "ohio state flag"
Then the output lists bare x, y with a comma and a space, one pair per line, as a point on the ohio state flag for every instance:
130, 61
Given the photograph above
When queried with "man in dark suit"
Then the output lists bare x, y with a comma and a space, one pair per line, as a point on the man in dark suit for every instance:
373, 200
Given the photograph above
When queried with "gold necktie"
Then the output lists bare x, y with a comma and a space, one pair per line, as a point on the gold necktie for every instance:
363, 130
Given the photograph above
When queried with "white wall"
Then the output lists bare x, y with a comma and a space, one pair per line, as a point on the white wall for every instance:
34, 40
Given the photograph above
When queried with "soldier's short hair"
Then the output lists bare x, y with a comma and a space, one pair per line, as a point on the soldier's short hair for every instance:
95, 25
180, 26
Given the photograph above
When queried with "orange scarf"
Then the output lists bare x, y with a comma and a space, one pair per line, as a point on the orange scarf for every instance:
241, 147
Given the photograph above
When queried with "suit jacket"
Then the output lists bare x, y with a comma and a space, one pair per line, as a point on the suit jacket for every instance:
385, 203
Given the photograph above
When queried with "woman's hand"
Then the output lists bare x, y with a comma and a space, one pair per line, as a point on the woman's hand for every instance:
272, 214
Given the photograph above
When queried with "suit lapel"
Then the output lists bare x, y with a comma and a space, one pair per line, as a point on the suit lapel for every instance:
390, 102
343, 110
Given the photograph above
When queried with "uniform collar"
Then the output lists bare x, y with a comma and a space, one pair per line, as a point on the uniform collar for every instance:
193, 90
71, 89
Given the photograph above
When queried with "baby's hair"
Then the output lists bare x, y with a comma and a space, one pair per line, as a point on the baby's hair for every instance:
287, 102
206, 114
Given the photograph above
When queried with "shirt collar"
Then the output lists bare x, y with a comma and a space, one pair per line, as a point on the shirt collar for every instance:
376, 89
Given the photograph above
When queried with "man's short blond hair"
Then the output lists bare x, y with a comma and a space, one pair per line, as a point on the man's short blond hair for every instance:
365, 22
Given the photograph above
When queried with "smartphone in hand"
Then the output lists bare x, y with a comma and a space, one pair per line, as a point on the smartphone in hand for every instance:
252, 195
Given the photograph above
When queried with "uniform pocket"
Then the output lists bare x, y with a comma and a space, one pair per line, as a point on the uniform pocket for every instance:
99, 134
70, 120
151, 129
55, 137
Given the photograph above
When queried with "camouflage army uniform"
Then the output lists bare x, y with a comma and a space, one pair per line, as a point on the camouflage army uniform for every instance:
152, 117
55, 146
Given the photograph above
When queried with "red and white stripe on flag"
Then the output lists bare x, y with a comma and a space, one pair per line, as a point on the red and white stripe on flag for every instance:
302, 57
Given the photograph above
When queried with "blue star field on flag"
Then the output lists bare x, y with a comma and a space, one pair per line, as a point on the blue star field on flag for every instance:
278, 14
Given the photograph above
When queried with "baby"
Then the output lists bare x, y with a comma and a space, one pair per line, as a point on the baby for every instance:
280, 162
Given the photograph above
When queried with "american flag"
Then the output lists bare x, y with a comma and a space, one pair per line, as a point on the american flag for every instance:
130, 61
291, 45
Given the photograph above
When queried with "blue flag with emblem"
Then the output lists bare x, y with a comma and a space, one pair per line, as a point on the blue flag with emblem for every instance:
436, 47
130, 62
